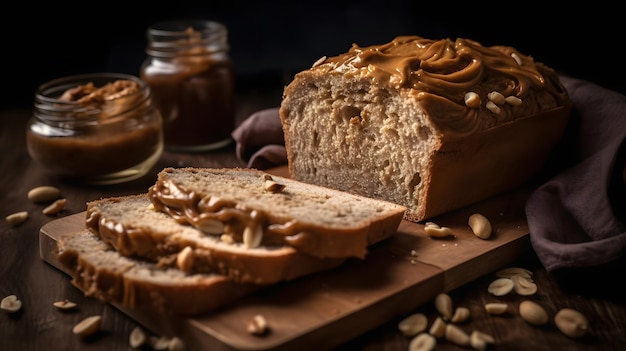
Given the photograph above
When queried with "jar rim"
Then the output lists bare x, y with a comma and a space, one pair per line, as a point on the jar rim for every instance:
48, 105
183, 37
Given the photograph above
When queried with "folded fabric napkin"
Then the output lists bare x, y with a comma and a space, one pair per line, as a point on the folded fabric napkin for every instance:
577, 217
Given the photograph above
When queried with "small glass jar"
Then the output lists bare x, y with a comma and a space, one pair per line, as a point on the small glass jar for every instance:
192, 80
98, 128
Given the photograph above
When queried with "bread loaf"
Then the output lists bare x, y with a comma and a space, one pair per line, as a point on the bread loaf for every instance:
250, 205
101, 272
132, 226
432, 125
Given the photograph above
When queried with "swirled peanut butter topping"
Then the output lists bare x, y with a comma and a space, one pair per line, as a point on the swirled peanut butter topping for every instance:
443, 74
203, 213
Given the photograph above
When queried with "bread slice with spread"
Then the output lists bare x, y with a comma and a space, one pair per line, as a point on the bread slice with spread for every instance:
241, 223
101, 272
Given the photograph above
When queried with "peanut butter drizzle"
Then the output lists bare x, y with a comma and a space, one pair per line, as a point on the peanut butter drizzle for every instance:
441, 72
190, 208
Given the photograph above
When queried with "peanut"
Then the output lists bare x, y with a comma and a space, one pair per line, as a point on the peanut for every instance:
443, 304
500, 287
423, 342
44, 193
435, 231
258, 325
10, 304
64, 305
17, 218
413, 324
533, 313
457, 335
496, 308
55, 207
438, 328
461, 314
523, 286
480, 340
571, 323
511, 271
480, 225
88, 326
137, 338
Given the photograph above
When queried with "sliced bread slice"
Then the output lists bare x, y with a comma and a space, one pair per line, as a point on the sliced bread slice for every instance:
101, 272
132, 226
256, 208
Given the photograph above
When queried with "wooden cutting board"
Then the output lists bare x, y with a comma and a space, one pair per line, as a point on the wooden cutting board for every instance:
329, 308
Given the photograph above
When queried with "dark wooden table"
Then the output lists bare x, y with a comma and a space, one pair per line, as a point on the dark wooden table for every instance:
599, 295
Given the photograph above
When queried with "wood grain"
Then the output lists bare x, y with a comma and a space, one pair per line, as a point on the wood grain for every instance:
397, 276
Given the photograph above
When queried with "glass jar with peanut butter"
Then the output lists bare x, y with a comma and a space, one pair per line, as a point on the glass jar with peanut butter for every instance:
191, 76
99, 128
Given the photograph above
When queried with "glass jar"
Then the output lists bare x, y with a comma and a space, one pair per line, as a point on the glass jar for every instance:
98, 128
192, 80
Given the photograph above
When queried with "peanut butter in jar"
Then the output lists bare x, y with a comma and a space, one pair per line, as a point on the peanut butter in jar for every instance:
192, 80
95, 128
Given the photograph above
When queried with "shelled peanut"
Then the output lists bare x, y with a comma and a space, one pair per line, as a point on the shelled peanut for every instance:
516, 280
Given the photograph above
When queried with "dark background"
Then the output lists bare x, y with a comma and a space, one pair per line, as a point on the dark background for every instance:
271, 40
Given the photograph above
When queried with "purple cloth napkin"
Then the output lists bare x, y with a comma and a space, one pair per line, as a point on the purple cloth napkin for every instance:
260, 140
576, 217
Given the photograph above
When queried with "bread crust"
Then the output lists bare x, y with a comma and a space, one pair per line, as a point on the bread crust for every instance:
101, 272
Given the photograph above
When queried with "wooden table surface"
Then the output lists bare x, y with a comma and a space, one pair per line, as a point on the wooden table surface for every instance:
38, 325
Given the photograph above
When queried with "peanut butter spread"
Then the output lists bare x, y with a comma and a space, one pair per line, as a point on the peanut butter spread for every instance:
93, 131
464, 86
206, 214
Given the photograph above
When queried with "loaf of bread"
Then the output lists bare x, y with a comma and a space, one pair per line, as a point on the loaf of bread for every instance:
101, 272
254, 208
132, 226
433, 125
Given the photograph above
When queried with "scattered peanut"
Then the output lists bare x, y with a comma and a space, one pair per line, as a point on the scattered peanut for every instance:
44, 193
496, 308
435, 231
17, 218
423, 342
443, 304
64, 305
137, 338
461, 314
511, 271
457, 335
481, 226
413, 324
533, 313
571, 323
438, 328
500, 287
55, 207
480, 341
258, 325
159, 342
88, 326
523, 286
176, 344
10, 304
